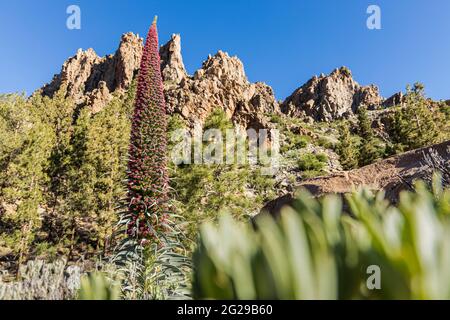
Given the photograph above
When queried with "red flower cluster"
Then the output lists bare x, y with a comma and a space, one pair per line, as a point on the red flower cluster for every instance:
147, 166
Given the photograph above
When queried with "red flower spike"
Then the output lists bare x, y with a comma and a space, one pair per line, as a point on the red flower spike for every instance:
147, 165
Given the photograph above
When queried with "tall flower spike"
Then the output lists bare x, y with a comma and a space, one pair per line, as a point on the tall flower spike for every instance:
147, 166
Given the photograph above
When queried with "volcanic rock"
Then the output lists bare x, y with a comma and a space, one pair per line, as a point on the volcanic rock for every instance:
331, 97
220, 83
91, 79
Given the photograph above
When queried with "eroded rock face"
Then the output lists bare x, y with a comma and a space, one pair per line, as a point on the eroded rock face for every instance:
91, 79
394, 100
172, 66
127, 61
98, 98
331, 97
220, 83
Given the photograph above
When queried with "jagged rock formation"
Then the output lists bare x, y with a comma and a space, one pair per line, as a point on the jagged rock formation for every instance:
394, 100
220, 83
326, 98
91, 79
391, 175
98, 98
172, 66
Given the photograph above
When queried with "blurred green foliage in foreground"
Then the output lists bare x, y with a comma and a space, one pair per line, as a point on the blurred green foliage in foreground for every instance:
318, 250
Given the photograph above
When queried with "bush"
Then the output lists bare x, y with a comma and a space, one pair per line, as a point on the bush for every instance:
294, 142
326, 143
312, 162
446, 110
317, 251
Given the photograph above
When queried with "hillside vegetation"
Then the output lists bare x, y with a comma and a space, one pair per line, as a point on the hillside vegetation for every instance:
76, 161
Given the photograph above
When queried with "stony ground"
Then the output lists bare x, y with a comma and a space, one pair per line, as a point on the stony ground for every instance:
391, 175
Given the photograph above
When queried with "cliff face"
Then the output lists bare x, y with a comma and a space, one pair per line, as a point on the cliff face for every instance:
220, 83
330, 97
91, 79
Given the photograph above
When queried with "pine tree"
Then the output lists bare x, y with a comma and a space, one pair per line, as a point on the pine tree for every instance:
59, 113
97, 169
62, 172
25, 144
368, 150
347, 149
415, 124
147, 172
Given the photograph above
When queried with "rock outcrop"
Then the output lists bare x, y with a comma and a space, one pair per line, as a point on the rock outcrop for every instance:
91, 79
172, 66
331, 97
391, 175
394, 100
220, 83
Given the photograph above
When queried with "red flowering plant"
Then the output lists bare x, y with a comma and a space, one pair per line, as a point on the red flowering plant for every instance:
147, 164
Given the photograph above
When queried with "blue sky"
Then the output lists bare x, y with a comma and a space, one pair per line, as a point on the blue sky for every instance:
282, 43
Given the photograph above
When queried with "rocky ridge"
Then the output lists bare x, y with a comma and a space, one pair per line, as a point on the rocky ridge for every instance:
91, 79
334, 96
221, 82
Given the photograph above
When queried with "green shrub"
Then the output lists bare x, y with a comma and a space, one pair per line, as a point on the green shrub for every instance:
312, 162
234, 262
294, 142
326, 143
276, 118
317, 251
217, 120
446, 110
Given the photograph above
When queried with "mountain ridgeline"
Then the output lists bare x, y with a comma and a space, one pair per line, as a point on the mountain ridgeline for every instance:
220, 83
